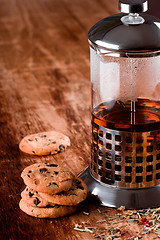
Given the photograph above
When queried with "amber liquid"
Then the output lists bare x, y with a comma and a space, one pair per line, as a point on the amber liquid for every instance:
140, 116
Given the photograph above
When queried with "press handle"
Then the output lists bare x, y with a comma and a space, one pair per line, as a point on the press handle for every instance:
133, 6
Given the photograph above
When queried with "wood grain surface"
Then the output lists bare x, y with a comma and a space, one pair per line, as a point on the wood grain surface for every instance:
44, 85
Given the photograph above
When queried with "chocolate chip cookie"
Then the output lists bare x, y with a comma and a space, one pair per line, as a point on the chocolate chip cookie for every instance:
76, 194
47, 178
48, 211
44, 143
34, 199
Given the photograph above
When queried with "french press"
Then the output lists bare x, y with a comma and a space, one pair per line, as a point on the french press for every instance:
125, 78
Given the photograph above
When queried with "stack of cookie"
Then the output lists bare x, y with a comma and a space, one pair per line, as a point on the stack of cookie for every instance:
51, 191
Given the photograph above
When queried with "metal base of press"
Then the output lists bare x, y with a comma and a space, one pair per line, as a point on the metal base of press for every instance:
116, 197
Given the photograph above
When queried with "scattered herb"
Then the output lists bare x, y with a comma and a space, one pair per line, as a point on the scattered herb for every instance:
121, 208
115, 224
98, 210
85, 213
83, 229
144, 219
101, 221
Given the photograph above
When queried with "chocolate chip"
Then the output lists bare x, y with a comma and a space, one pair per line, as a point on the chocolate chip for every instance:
31, 194
30, 140
28, 175
61, 193
52, 165
73, 194
52, 185
78, 182
29, 171
35, 181
42, 170
33, 152
54, 142
55, 172
43, 136
61, 148
80, 187
36, 201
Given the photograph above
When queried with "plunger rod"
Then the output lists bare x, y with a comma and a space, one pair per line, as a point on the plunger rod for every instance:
133, 112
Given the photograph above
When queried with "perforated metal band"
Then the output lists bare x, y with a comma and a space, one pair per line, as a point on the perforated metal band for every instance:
125, 159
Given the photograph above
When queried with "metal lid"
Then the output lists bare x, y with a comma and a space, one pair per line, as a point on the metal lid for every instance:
130, 33
112, 34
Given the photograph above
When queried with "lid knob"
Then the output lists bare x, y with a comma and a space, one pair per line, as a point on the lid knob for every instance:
133, 6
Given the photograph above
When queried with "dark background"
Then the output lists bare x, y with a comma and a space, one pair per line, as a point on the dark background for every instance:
154, 8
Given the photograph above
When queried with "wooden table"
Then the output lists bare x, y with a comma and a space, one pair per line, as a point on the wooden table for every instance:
44, 85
